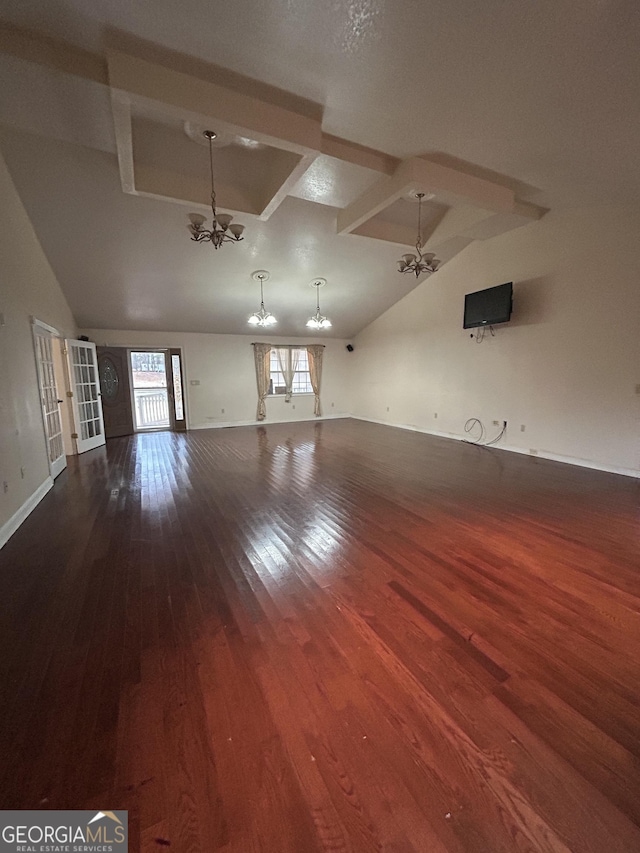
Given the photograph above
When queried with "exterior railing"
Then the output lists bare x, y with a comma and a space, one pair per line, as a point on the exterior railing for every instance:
152, 407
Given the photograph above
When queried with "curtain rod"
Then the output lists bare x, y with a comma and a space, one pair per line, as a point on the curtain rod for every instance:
297, 346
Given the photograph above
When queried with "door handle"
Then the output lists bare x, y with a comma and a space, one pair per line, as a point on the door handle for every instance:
59, 401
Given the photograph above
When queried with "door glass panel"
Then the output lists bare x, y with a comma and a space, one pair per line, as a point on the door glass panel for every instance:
177, 387
49, 396
109, 382
86, 391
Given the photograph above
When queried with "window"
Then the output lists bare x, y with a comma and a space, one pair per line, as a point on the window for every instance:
301, 380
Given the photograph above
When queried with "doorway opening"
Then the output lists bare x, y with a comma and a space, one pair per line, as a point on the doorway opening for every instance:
150, 390
157, 389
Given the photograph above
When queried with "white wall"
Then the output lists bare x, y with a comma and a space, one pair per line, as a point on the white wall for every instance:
27, 287
567, 365
224, 367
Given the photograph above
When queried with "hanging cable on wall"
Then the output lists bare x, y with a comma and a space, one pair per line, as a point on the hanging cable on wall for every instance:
476, 423
481, 331
471, 424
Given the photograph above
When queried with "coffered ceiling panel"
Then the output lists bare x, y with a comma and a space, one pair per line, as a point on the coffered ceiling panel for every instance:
330, 115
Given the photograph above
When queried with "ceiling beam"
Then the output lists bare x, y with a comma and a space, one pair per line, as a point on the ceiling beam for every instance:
52, 53
176, 93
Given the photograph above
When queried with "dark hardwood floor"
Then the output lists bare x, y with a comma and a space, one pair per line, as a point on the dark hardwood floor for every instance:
331, 636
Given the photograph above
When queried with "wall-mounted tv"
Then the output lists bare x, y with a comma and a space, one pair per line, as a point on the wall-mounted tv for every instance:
488, 307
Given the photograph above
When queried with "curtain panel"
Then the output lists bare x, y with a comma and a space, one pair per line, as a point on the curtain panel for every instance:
288, 363
315, 352
261, 354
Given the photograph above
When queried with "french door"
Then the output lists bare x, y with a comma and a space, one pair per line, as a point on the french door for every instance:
85, 390
50, 401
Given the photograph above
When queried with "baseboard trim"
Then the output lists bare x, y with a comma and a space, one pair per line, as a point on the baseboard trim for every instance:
9, 528
266, 422
541, 454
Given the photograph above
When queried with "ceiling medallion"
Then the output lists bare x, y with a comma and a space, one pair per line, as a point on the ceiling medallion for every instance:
262, 317
222, 230
419, 264
318, 321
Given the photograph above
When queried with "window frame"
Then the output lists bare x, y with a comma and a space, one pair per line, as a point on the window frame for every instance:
290, 348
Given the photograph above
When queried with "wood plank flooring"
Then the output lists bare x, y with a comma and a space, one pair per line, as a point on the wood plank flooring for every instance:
330, 636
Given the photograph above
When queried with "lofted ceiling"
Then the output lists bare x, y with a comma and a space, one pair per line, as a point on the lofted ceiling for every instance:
331, 117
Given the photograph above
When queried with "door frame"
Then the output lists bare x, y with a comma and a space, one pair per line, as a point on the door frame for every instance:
168, 351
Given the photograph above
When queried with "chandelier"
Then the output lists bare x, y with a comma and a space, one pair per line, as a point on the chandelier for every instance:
261, 317
223, 230
318, 321
418, 264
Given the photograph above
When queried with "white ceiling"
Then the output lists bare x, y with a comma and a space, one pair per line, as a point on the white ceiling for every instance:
543, 97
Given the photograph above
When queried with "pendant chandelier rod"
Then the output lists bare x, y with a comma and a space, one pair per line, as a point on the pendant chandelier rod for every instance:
262, 317
419, 263
209, 134
223, 229
318, 321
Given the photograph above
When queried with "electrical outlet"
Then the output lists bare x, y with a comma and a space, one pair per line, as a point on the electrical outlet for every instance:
194, 382
22, 473
332, 405
522, 427
293, 407
387, 408
496, 423
222, 411
435, 414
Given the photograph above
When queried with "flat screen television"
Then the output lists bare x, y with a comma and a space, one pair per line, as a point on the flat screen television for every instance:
488, 307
